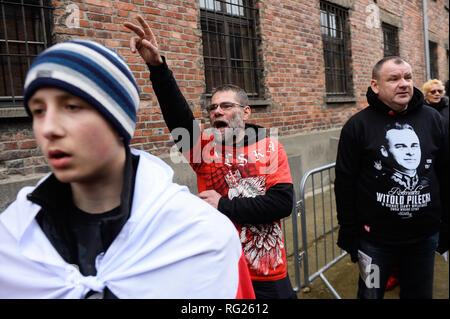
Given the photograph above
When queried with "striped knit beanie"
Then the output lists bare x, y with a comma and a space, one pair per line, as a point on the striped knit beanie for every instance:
92, 72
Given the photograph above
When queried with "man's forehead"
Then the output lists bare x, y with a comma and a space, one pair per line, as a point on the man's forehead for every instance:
227, 95
390, 67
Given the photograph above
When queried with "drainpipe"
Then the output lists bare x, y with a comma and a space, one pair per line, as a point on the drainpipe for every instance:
425, 32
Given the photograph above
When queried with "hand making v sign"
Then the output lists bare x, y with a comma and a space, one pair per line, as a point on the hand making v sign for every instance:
145, 42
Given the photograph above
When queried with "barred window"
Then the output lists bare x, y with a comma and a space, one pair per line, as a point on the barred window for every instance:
230, 45
336, 47
25, 31
433, 48
390, 40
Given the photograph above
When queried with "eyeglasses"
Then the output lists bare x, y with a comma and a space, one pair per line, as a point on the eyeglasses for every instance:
435, 91
224, 106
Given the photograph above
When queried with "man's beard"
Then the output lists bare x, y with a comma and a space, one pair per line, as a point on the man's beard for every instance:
232, 133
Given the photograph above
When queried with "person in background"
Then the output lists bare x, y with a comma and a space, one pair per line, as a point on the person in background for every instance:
435, 96
381, 219
108, 222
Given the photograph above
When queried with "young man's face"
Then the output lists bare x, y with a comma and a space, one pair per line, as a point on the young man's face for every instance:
78, 143
394, 85
230, 121
404, 146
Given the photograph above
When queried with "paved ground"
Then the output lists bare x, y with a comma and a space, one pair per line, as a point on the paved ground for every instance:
344, 275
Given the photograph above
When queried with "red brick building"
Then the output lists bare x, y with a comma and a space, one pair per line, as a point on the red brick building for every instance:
305, 64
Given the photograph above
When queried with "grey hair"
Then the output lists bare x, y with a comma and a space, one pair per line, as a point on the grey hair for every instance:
241, 95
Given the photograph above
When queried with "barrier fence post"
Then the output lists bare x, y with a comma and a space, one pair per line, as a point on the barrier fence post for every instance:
300, 206
295, 246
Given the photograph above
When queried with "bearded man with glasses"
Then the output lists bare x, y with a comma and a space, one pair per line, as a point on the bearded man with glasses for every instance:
240, 171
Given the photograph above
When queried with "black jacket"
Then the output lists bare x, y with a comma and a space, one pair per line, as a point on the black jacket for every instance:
374, 199
442, 107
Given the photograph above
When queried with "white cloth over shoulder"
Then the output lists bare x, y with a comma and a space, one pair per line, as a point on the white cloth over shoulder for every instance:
174, 245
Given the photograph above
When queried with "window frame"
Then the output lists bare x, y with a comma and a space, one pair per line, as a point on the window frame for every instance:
241, 14
386, 30
10, 97
434, 62
336, 43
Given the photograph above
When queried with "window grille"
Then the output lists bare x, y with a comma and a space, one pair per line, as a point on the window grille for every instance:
25, 31
230, 45
433, 48
336, 47
390, 40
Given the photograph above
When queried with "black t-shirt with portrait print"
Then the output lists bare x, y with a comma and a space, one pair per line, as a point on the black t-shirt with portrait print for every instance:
376, 198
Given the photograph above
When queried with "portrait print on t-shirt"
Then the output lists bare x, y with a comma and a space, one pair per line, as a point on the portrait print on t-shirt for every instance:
401, 155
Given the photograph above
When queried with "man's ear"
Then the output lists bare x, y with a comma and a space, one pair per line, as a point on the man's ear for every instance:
374, 86
384, 151
247, 112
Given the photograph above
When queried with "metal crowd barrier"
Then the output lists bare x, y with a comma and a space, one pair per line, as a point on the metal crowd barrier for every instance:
316, 210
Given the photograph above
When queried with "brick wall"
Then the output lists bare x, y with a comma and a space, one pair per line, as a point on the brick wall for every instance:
292, 56
438, 22
18, 151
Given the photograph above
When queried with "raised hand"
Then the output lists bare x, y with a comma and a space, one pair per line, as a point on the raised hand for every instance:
145, 42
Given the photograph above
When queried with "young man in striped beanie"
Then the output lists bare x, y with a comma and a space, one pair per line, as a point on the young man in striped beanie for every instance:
108, 221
